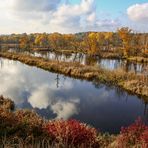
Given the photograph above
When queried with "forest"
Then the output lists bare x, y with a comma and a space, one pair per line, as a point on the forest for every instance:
123, 43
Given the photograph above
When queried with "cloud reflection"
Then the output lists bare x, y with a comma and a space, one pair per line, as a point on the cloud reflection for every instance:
17, 81
65, 109
45, 97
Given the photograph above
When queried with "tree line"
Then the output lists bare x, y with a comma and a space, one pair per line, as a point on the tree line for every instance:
124, 41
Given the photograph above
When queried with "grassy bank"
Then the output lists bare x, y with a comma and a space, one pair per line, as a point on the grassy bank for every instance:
136, 84
104, 55
138, 59
24, 128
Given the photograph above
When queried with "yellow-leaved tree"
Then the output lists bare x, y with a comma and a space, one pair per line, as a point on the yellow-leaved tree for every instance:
90, 42
125, 35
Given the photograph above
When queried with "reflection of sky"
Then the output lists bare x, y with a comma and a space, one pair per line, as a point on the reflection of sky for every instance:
98, 105
16, 82
110, 64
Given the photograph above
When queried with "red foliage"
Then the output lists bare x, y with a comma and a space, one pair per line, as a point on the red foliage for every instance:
144, 136
135, 134
71, 132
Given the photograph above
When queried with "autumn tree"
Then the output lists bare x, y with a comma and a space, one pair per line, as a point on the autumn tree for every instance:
41, 40
90, 42
100, 40
108, 38
24, 42
125, 35
72, 42
55, 40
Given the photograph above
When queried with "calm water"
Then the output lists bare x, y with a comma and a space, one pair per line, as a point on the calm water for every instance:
110, 64
56, 96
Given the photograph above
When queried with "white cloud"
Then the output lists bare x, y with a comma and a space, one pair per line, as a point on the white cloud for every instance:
33, 5
72, 17
138, 13
51, 16
61, 16
91, 18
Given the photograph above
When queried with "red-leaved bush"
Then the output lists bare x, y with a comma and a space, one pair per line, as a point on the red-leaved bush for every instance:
71, 132
134, 135
144, 137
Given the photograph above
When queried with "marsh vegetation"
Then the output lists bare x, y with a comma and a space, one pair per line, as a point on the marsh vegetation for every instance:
22, 128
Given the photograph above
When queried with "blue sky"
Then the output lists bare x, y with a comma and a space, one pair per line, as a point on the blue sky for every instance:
70, 16
113, 6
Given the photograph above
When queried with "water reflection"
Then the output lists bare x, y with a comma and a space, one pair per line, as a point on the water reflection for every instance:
110, 64
57, 96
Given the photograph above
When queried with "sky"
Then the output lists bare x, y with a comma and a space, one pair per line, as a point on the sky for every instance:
71, 16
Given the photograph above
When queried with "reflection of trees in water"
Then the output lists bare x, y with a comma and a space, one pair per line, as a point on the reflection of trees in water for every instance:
132, 66
67, 56
1, 63
145, 109
57, 81
126, 65
119, 91
91, 60
45, 54
145, 112
97, 84
121, 94
58, 56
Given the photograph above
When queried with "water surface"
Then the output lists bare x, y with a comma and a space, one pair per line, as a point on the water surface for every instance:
56, 96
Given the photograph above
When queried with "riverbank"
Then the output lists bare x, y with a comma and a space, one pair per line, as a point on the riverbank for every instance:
103, 54
25, 128
138, 59
136, 84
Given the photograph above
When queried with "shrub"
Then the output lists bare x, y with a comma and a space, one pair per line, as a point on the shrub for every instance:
133, 135
31, 123
8, 122
6, 103
71, 132
144, 137
22, 124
